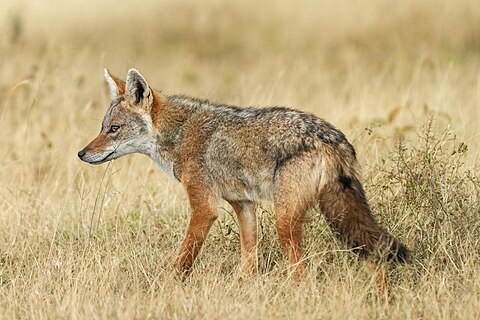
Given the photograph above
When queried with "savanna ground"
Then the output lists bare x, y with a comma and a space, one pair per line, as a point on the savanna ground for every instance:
400, 78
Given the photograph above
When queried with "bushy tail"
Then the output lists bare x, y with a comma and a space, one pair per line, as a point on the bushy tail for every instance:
342, 200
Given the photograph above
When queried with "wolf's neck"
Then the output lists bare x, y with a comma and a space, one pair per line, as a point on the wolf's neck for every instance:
169, 122
164, 163
166, 141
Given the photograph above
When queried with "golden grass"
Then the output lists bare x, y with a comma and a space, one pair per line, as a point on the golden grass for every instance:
78, 241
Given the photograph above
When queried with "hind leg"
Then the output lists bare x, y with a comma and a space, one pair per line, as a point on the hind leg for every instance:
290, 206
247, 221
289, 225
380, 271
295, 190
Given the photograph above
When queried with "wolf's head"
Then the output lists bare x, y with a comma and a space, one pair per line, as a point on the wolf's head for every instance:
127, 125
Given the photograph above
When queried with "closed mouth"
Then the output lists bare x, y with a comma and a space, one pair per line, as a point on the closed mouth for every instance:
104, 159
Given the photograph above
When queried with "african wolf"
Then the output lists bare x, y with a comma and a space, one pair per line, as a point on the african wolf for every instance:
245, 155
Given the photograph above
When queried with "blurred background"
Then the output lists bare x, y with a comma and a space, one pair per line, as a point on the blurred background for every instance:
376, 69
380, 70
355, 63
378, 64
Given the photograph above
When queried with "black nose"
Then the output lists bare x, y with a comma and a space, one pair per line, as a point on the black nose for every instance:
81, 153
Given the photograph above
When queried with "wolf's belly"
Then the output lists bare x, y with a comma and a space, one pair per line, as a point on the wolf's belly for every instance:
245, 185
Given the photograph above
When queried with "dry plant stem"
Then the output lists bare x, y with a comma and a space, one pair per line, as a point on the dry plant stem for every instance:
380, 275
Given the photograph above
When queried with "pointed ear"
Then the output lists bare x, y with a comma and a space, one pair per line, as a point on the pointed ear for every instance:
137, 88
116, 87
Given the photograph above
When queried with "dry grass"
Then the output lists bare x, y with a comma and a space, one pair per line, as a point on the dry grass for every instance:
78, 241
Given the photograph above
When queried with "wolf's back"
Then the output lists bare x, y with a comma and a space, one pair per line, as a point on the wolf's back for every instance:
280, 133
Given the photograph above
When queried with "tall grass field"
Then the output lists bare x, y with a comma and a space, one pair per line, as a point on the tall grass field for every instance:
401, 79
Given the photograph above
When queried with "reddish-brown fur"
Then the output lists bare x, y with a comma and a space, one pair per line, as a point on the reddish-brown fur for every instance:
97, 144
202, 203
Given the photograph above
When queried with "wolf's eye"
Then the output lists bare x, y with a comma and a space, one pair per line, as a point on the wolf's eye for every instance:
113, 128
